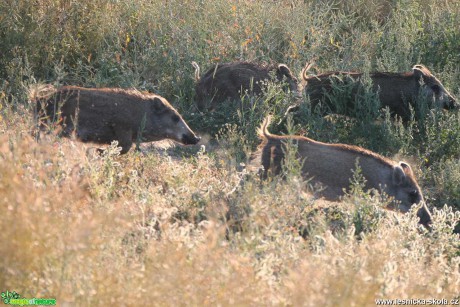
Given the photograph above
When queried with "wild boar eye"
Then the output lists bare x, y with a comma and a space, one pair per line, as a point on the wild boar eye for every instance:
413, 194
175, 118
436, 89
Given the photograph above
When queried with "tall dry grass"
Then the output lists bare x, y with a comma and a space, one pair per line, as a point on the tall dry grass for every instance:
170, 230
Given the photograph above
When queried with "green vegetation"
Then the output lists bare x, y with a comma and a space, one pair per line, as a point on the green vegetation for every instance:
191, 225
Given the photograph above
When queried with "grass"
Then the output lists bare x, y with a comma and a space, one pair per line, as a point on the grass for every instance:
191, 225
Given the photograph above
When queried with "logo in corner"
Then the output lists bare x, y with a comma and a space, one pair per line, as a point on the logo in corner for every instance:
13, 298
8, 296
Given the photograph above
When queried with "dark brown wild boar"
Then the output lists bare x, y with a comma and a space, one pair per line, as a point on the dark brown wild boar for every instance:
331, 166
230, 81
396, 90
106, 114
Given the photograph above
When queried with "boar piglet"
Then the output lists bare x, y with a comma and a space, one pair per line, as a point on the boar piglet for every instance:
397, 91
229, 81
332, 165
102, 115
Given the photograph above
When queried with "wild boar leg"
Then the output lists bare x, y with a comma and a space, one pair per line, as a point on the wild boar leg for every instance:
67, 126
124, 137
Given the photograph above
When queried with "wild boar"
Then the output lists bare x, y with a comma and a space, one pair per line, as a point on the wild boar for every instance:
332, 165
229, 81
395, 90
102, 115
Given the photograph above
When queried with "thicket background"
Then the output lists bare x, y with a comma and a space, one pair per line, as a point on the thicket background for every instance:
176, 226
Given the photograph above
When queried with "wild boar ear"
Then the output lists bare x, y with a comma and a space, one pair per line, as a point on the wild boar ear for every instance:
285, 71
419, 66
418, 72
398, 175
406, 167
157, 105
421, 71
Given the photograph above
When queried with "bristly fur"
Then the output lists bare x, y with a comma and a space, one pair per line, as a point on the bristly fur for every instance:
266, 137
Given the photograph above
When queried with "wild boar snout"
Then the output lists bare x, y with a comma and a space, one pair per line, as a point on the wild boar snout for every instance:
181, 132
444, 99
407, 190
410, 193
190, 139
424, 215
452, 104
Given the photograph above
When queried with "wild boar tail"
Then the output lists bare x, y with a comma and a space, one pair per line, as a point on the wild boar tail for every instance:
256, 159
197, 71
263, 129
307, 67
39, 91
37, 94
